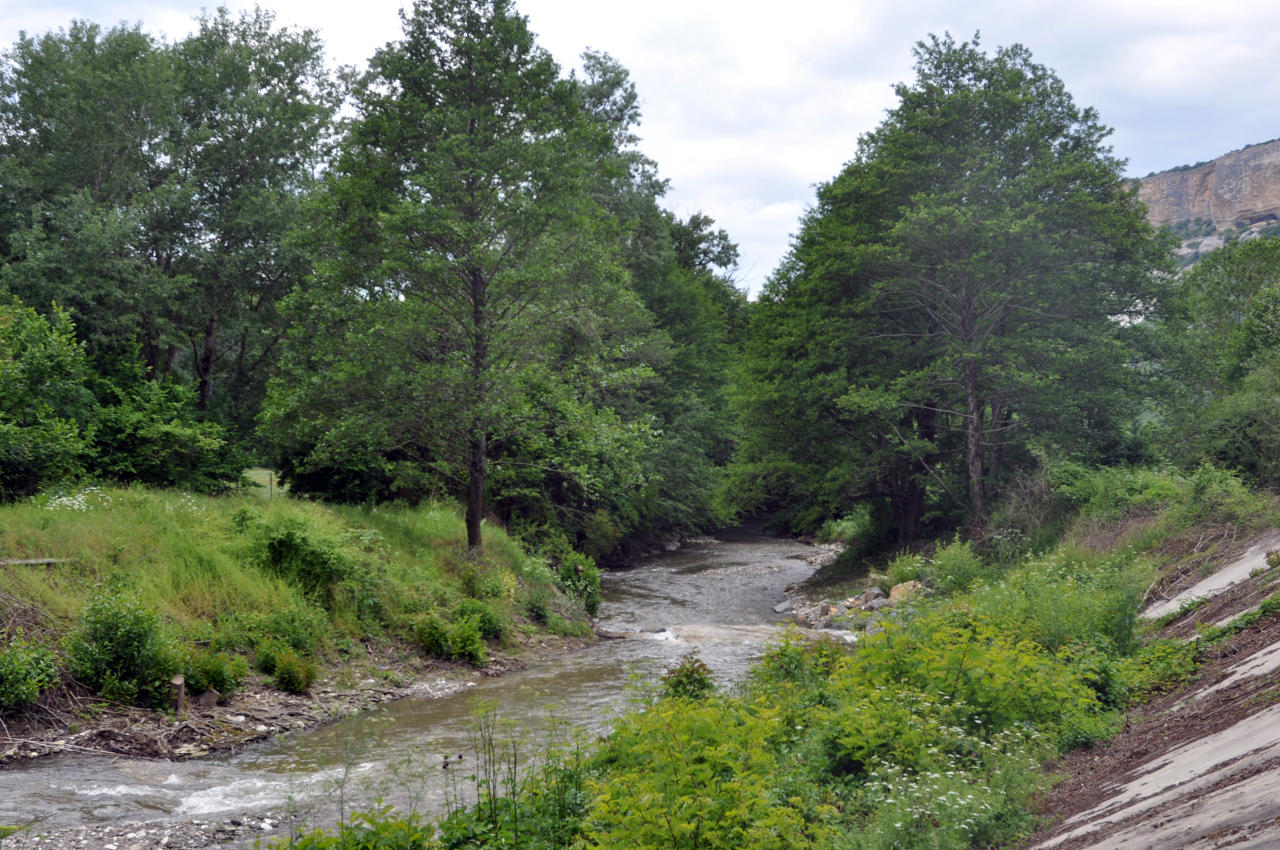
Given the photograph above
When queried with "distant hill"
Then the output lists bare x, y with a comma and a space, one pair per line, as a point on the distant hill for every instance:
1237, 194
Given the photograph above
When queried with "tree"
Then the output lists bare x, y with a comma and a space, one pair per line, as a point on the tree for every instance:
464, 237
971, 274
149, 188
46, 410
1220, 370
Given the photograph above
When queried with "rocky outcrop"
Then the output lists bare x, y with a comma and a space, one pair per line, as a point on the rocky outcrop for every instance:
1235, 191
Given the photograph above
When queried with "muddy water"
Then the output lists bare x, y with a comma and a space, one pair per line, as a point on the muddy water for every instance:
714, 597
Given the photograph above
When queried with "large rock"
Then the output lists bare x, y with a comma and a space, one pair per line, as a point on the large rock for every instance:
905, 590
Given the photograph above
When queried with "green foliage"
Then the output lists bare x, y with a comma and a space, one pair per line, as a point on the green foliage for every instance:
207, 670
694, 774
373, 830
986, 192
462, 639
980, 800
579, 577
45, 408
26, 669
1113, 492
293, 673
491, 623
123, 650
1158, 666
987, 678
690, 679
906, 567
181, 451
1070, 595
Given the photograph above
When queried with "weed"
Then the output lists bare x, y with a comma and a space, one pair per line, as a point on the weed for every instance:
26, 669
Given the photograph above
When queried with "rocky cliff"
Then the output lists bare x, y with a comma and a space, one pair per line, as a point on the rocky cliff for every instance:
1235, 192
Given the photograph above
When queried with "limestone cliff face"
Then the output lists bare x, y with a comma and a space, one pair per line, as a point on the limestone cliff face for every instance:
1234, 191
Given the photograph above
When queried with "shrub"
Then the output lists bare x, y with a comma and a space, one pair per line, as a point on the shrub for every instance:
26, 669
123, 651
538, 606
991, 679
695, 775
266, 654
432, 634
460, 640
689, 679
492, 625
955, 567
907, 567
207, 670
466, 642
579, 577
294, 674
1159, 665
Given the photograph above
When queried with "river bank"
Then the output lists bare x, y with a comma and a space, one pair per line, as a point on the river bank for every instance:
712, 596
78, 724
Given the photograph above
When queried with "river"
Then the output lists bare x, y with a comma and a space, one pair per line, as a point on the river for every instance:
714, 597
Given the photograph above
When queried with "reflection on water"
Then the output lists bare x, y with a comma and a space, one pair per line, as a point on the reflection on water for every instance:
715, 597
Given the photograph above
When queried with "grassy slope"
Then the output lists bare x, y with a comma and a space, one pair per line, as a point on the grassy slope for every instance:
228, 572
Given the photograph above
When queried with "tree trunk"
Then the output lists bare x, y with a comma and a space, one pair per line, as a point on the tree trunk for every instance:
475, 490
478, 447
204, 365
973, 447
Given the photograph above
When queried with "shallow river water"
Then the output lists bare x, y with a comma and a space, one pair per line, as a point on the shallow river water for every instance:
713, 597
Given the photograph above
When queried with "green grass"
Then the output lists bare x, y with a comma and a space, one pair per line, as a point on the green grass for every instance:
230, 571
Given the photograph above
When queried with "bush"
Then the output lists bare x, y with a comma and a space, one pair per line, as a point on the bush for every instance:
690, 679
266, 654
293, 674
466, 642
955, 567
907, 567
580, 578
123, 651
207, 670
460, 640
492, 625
26, 669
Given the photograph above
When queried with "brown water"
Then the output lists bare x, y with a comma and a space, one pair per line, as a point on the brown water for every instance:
716, 598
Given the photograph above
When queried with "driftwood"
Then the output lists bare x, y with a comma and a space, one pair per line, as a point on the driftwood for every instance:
34, 562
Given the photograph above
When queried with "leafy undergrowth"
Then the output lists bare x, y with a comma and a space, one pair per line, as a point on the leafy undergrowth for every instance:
121, 589
929, 732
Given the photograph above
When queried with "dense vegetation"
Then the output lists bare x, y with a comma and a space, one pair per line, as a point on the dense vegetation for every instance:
927, 733
462, 289
481, 297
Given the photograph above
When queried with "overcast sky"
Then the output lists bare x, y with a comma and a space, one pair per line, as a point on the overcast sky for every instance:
748, 105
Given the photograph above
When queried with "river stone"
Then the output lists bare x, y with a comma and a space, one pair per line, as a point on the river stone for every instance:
783, 607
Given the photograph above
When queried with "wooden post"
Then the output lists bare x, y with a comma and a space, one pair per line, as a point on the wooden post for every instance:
178, 693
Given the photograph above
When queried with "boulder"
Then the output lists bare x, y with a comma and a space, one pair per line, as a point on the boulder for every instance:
904, 591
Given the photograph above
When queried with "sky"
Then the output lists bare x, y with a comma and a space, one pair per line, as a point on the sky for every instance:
749, 105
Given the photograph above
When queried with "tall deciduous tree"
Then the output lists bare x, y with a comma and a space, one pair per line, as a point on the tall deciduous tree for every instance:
148, 188
464, 231
975, 266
